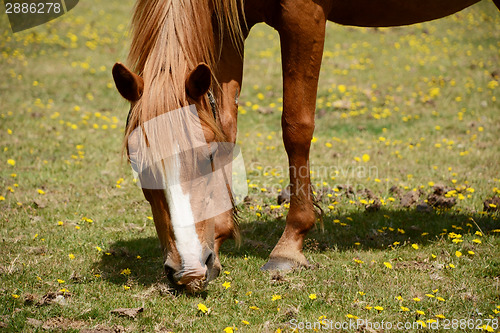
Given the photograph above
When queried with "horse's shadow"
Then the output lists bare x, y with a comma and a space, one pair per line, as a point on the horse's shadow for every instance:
363, 230
137, 260
339, 232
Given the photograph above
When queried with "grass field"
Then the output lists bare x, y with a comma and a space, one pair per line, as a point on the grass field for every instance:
402, 108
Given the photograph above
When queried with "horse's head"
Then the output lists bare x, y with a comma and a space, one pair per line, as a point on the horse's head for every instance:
174, 154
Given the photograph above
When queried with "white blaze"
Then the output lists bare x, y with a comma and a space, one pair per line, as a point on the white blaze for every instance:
181, 216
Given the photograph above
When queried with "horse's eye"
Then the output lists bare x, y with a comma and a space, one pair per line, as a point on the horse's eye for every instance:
208, 151
213, 147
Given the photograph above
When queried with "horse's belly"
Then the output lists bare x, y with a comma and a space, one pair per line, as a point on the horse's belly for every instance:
384, 13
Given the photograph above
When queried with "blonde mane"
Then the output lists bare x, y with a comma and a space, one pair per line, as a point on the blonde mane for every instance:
169, 39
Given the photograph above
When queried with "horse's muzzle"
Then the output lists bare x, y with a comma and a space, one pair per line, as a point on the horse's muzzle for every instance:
193, 279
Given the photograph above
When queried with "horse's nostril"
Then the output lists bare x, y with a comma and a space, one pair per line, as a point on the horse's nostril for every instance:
212, 269
209, 261
170, 273
171, 270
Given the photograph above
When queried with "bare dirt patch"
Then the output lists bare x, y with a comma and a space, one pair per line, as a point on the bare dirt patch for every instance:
492, 204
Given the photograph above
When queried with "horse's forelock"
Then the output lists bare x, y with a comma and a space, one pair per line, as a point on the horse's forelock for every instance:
169, 39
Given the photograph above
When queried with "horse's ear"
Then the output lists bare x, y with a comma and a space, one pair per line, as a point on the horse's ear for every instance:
198, 81
129, 84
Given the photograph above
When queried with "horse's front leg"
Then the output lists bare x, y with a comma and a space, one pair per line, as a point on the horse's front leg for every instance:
302, 28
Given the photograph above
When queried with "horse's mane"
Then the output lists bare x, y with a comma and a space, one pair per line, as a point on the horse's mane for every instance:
169, 39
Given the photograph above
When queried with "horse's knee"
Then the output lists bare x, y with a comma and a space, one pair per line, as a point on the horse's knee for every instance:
298, 132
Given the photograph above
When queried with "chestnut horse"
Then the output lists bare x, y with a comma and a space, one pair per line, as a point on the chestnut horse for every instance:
183, 52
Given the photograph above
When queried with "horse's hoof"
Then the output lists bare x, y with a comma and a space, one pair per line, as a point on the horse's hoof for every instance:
282, 264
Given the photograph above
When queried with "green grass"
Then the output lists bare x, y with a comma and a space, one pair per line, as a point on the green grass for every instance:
62, 122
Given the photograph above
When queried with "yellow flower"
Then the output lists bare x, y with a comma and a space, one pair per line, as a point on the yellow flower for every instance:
228, 329
440, 316
203, 308
416, 299
378, 308
245, 322
415, 246
405, 309
41, 191
492, 84
15, 295
487, 328
313, 296
365, 158
71, 256
388, 264
226, 284
126, 287
458, 254
11, 162
275, 297
434, 92
60, 281
420, 312
253, 307
477, 241
125, 271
